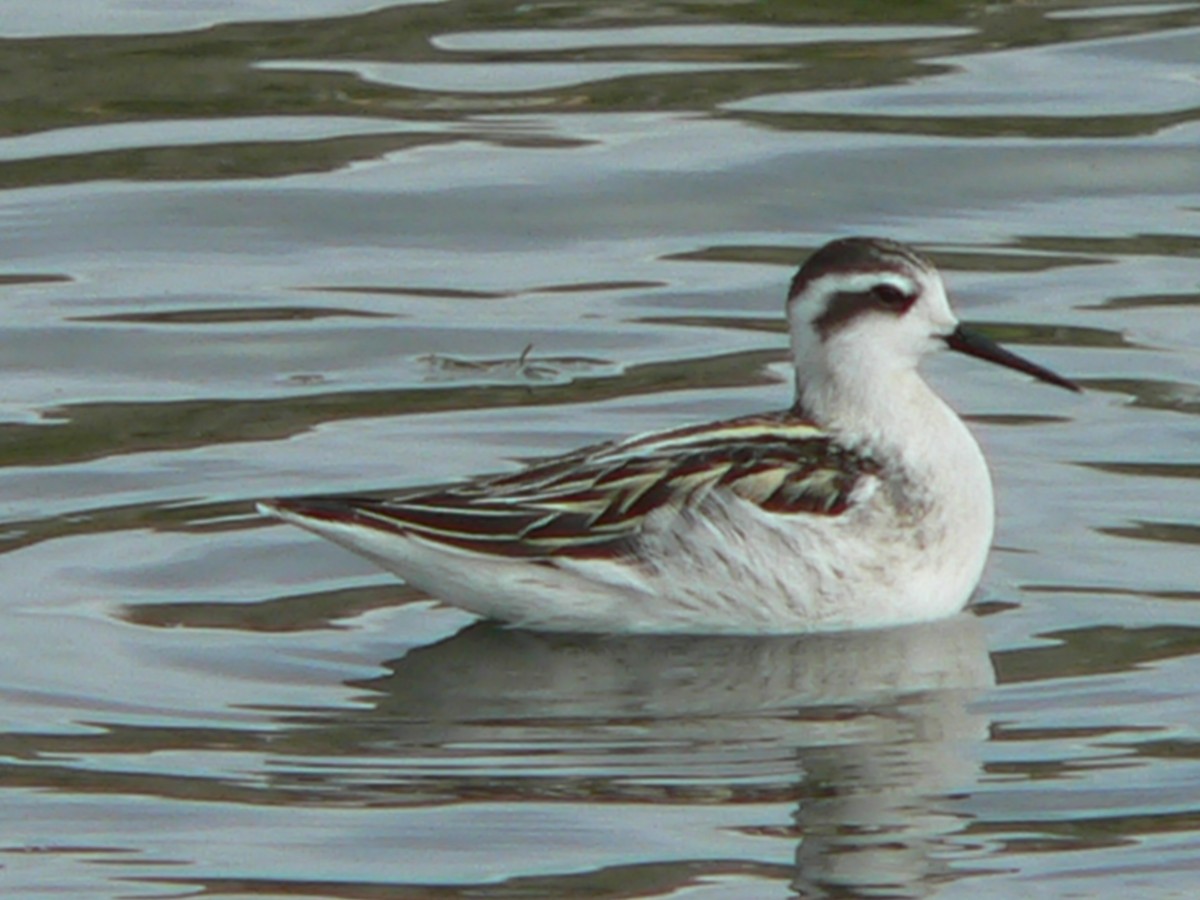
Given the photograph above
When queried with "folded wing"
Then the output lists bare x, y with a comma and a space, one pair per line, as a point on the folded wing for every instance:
594, 502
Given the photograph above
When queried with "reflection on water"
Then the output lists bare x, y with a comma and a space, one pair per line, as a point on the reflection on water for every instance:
254, 252
867, 734
863, 738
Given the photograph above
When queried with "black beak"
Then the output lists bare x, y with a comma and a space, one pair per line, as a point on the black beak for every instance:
977, 345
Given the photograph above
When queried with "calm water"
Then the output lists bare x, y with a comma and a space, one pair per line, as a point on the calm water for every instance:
246, 255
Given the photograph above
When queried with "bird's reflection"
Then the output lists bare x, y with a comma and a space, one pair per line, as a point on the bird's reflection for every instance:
867, 733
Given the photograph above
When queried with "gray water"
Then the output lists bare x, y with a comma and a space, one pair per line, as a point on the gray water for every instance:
251, 252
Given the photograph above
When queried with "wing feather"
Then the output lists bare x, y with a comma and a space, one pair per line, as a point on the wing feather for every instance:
593, 502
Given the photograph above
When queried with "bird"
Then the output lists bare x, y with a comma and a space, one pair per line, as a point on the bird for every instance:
865, 504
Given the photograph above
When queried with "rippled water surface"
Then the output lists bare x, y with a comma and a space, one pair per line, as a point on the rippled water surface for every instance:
253, 249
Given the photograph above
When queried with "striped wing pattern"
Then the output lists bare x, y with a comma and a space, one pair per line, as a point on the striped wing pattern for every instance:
592, 503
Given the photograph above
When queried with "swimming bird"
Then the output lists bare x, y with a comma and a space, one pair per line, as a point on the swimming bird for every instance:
868, 503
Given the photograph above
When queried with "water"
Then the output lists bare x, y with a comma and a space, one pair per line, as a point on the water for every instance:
249, 254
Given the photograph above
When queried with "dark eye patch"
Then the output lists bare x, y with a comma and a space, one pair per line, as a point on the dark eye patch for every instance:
891, 297
845, 306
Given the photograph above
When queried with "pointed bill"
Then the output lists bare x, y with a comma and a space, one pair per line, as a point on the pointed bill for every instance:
973, 344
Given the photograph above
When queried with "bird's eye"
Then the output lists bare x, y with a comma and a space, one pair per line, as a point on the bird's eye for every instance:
891, 296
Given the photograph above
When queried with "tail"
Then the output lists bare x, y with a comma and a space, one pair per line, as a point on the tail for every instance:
314, 512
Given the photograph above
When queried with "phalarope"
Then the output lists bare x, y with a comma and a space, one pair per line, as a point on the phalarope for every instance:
866, 504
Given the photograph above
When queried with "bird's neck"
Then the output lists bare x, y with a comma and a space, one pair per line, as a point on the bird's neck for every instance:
925, 452
885, 413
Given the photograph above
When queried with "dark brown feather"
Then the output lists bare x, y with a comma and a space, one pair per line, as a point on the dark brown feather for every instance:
594, 502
